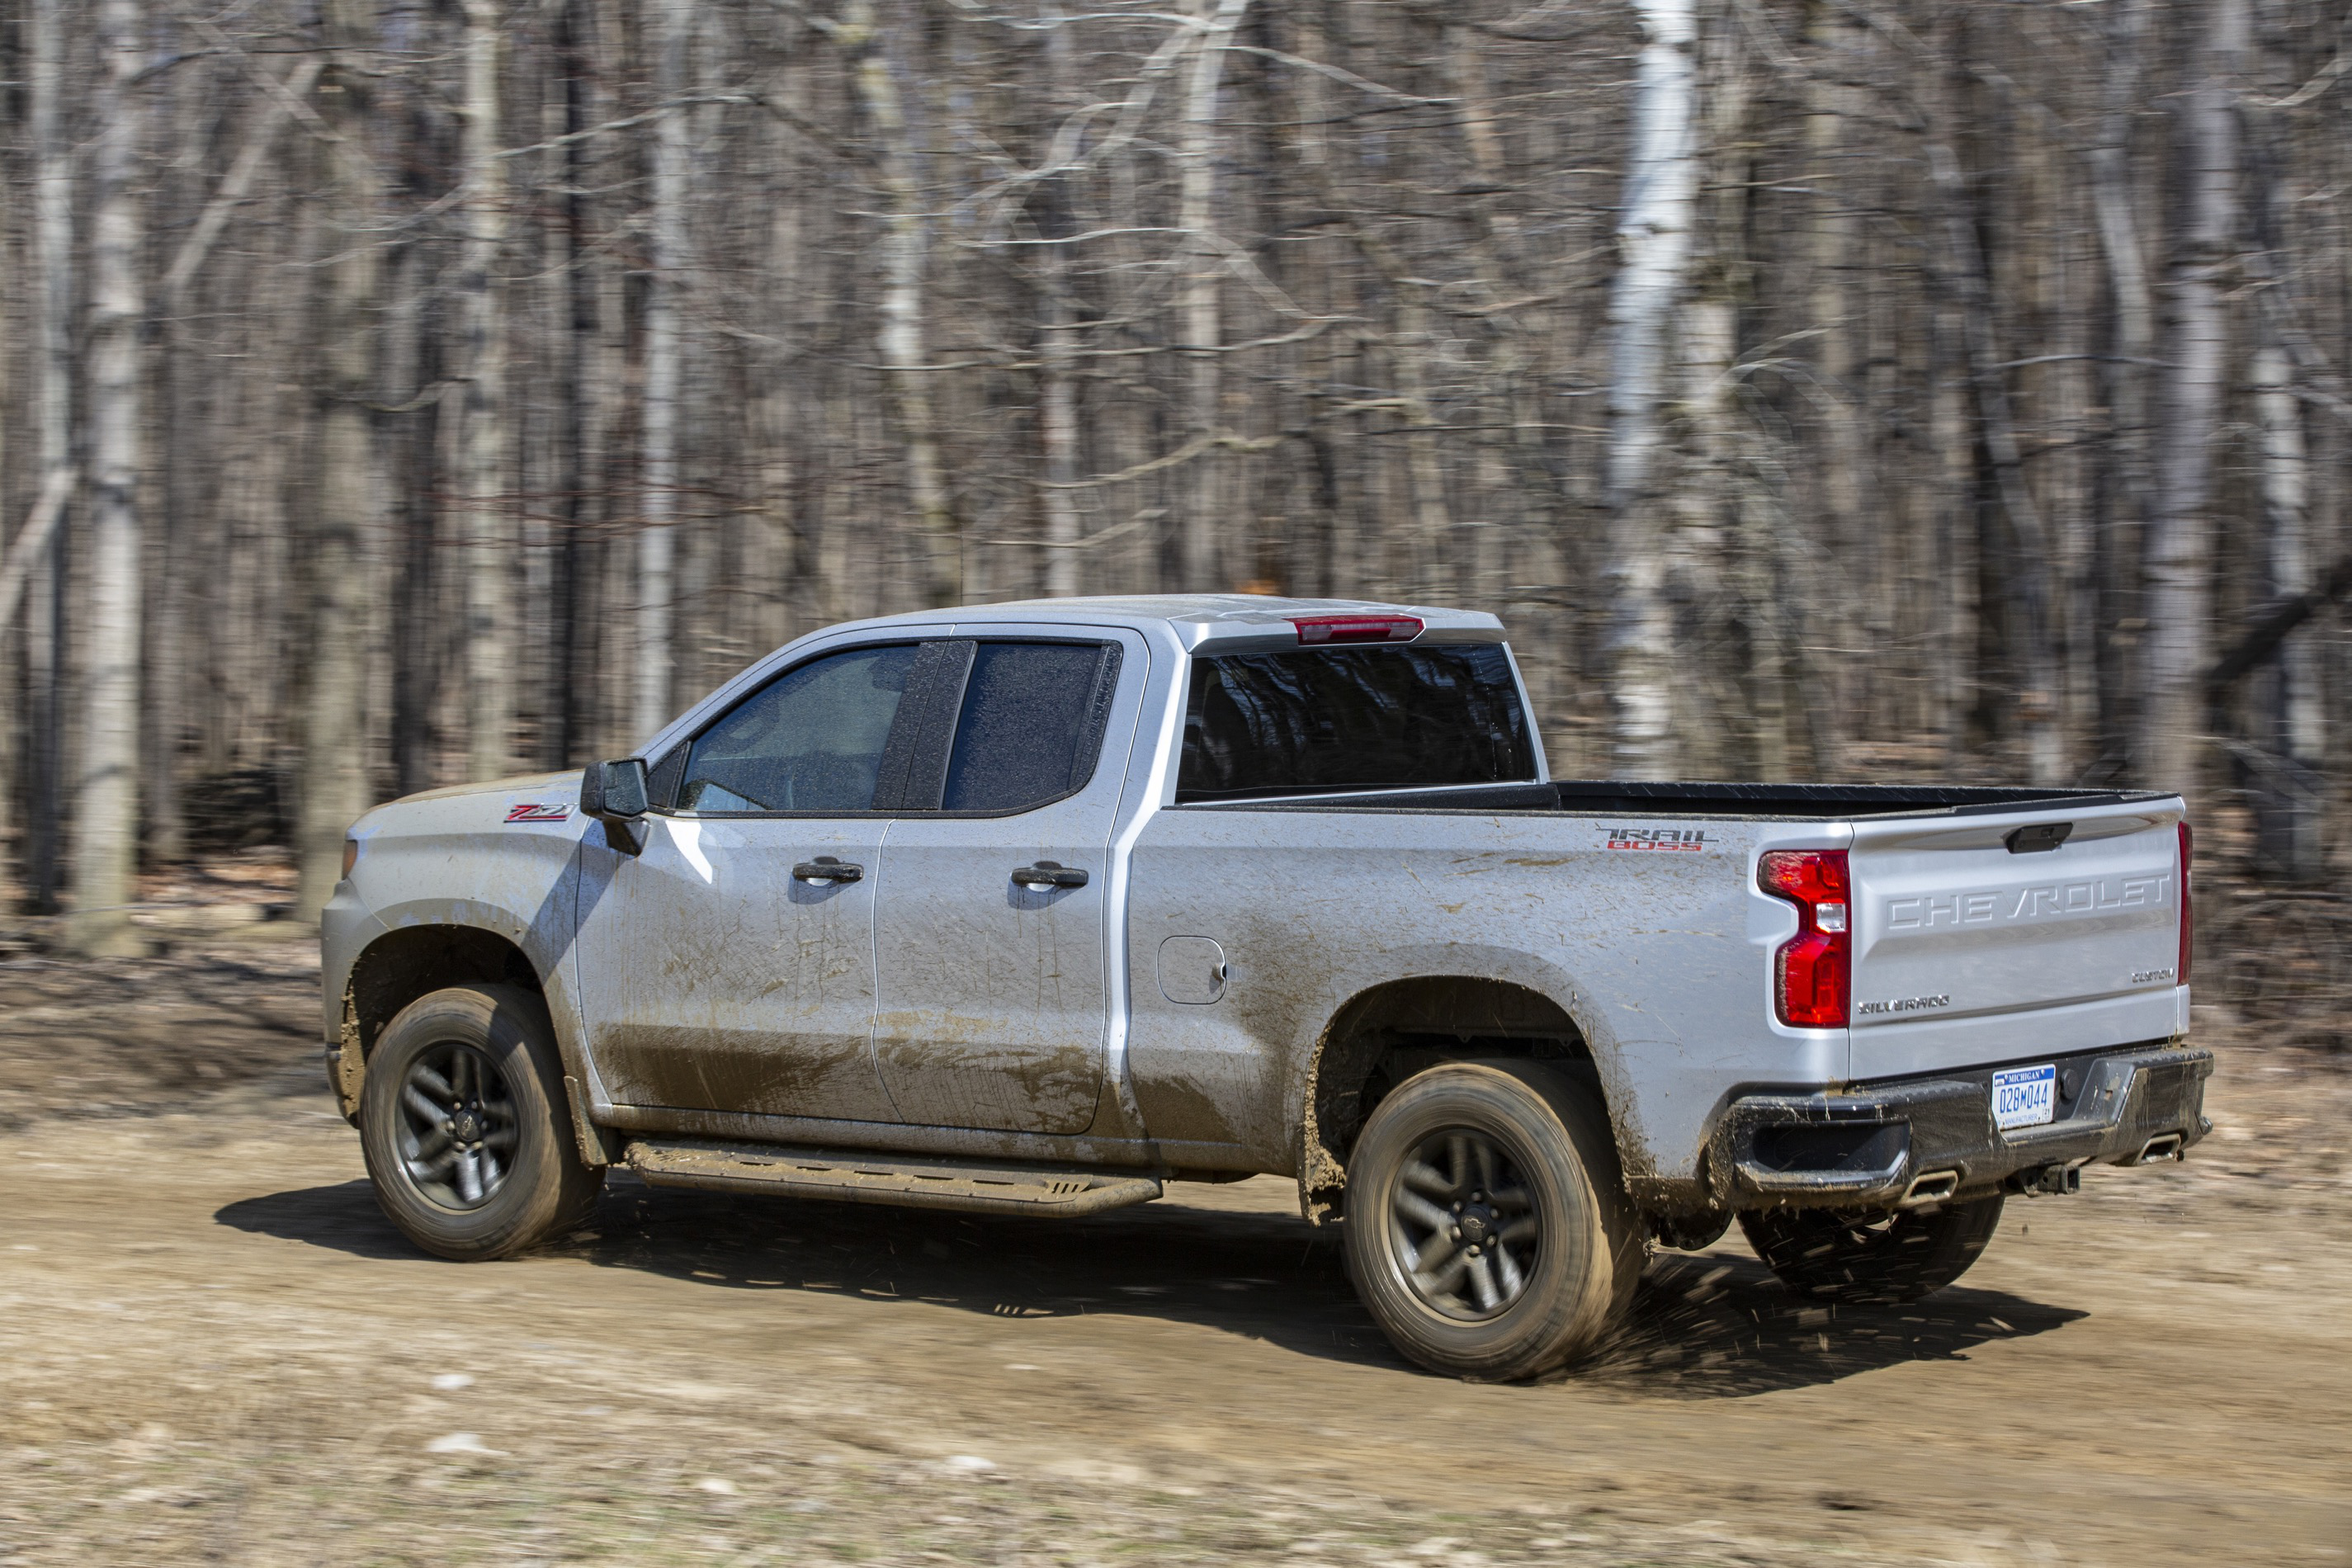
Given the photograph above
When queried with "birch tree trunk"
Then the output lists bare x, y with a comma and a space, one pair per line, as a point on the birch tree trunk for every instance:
490, 641
2124, 376
1654, 234
106, 830
333, 788
1057, 413
45, 592
657, 541
2179, 554
1203, 522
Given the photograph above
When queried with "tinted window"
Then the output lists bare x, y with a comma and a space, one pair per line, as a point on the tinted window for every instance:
811, 740
1352, 719
1031, 725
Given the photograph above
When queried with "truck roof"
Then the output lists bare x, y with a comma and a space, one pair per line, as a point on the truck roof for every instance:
1199, 618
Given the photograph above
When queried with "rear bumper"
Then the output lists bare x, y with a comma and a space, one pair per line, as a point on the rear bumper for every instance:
1870, 1146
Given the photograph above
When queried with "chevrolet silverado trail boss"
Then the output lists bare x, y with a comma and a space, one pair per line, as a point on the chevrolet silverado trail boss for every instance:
1033, 909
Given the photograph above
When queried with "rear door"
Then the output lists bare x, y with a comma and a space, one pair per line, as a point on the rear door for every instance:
1976, 940
990, 941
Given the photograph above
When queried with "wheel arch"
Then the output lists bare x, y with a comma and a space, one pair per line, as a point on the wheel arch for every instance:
1387, 1031
408, 961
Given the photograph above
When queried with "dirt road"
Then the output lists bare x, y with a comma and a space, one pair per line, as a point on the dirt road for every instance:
215, 1350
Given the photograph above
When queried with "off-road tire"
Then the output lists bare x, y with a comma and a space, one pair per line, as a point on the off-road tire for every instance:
1587, 1247
1872, 1260
544, 1188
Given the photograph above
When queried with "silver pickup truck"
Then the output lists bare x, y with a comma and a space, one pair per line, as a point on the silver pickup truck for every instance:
1035, 908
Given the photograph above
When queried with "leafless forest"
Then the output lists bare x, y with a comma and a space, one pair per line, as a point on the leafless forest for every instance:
398, 391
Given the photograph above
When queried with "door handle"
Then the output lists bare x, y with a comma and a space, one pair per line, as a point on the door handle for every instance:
825, 868
1048, 874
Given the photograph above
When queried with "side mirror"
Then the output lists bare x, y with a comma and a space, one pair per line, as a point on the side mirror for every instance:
614, 794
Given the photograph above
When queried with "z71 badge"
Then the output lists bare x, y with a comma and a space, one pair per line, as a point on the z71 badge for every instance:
537, 811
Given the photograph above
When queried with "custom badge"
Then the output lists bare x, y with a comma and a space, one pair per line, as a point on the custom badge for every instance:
537, 811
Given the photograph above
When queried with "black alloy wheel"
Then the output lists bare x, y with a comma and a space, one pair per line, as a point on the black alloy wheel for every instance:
1488, 1230
1466, 1231
457, 1131
467, 1127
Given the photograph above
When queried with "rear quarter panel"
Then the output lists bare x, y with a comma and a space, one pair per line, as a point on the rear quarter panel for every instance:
1657, 953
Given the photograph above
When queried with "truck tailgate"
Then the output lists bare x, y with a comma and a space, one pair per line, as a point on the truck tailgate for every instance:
1968, 949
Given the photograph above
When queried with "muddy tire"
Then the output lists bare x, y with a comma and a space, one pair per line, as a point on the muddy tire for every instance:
465, 1127
1488, 1233
1872, 1260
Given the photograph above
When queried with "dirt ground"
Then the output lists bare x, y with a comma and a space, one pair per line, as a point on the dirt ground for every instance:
214, 1348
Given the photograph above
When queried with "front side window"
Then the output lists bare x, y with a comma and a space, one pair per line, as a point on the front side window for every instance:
1031, 725
809, 741
1324, 720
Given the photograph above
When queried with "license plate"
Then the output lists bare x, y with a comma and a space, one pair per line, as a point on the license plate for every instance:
2025, 1096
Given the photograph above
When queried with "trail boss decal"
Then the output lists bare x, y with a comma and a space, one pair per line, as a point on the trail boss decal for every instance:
1691, 839
537, 811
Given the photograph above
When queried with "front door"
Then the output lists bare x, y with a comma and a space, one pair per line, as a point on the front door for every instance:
990, 935
731, 966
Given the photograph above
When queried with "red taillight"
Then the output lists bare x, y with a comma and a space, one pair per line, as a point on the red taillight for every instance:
1812, 972
1317, 629
2188, 912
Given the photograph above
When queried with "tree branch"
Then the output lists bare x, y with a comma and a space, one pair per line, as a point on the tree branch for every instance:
2277, 623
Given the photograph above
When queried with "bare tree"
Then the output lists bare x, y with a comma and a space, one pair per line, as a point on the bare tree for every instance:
1839, 391
1654, 233
906, 258
1204, 519
333, 787
1057, 413
47, 648
2179, 534
490, 644
657, 544
106, 830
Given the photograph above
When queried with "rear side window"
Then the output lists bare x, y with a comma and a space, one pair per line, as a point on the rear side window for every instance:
1031, 724
1325, 720
810, 740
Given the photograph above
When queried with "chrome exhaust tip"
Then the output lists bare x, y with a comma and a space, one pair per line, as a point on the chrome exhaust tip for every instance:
1933, 1187
2164, 1146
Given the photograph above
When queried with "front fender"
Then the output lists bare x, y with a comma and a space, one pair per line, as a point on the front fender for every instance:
462, 859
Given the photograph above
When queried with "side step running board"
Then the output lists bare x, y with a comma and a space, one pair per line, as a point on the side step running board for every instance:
848, 1177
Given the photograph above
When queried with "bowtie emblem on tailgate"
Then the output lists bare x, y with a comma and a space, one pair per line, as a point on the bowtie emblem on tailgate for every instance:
2044, 900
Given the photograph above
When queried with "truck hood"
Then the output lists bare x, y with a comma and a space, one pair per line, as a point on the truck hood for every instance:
556, 796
